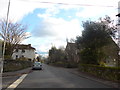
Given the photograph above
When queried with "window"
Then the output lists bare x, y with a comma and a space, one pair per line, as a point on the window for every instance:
23, 50
29, 59
16, 56
22, 55
16, 50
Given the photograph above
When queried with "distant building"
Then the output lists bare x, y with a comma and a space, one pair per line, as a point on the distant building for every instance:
36, 55
72, 52
24, 51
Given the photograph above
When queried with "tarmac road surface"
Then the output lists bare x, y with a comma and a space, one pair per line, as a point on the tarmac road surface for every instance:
55, 77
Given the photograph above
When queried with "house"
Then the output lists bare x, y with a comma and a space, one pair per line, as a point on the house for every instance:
72, 52
114, 48
24, 51
111, 51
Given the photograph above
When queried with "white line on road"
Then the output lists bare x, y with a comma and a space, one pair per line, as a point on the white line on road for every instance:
17, 82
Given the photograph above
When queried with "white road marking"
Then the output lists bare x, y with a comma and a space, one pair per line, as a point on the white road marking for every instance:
17, 82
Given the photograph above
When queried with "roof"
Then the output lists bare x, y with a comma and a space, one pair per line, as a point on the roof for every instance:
71, 46
23, 46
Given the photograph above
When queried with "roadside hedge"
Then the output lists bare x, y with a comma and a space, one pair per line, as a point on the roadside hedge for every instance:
59, 64
65, 64
71, 65
109, 73
14, 65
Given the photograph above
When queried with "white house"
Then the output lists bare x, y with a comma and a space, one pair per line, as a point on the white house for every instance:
24, 51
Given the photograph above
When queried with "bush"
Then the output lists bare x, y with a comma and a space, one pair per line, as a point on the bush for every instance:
71, 65
14, 65
23, 58
7, 57
59, 64
109, 73
65, 64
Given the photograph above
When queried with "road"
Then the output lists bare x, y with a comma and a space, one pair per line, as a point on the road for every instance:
52, 77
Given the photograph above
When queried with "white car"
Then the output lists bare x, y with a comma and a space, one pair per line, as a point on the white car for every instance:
37, 65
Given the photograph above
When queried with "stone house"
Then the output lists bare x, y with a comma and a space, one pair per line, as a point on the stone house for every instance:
111, 51
72, 52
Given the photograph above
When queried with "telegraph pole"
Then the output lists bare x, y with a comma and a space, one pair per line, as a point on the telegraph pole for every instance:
3, 52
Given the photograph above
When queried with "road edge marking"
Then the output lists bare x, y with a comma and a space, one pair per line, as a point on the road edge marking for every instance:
17, 82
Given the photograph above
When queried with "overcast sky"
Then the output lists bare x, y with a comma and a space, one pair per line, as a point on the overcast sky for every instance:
50, 22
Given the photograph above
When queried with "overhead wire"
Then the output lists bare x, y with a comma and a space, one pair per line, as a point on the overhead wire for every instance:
60, 3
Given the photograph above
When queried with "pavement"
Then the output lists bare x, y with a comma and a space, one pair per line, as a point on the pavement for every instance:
74, 71
17, 73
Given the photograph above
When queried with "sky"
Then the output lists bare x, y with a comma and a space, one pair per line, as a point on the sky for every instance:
51, 22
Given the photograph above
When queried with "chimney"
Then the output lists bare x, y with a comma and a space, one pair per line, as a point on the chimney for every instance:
29, 45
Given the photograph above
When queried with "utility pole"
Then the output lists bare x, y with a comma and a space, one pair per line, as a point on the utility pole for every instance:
3, 52
3, 49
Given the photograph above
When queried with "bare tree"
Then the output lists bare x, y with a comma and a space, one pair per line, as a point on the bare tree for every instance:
15, 33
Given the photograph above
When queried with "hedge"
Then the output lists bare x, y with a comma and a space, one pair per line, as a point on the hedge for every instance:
14, 65
59, 64
71, 65
65, 64
109, 73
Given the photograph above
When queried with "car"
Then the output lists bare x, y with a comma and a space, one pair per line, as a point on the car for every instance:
37, 65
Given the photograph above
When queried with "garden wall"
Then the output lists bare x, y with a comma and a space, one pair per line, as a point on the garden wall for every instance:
14, 65
109, 73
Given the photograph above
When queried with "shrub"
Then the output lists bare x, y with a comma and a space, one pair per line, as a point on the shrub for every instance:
71, 65
7, 57
59, 63
23, 58
65, 64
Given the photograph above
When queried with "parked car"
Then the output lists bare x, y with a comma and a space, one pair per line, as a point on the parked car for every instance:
37, 65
